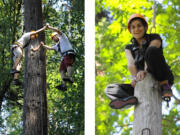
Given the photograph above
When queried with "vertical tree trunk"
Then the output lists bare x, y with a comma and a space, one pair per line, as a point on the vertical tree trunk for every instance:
148, 112
35, 102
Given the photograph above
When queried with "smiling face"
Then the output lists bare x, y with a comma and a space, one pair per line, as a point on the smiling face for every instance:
137, 29
56, 38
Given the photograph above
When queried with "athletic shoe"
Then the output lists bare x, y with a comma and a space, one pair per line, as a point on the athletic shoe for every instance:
123, 102
16, 82
61, 87
68, 79
13, 71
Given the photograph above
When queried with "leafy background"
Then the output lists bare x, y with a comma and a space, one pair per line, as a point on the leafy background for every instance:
65, 109
111, 65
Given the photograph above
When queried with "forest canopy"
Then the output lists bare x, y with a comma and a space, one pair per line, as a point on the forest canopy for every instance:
112, 36
65, 109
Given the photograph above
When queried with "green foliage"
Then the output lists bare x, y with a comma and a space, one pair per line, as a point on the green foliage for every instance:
65, 109
170, 122
111, 65
10, 29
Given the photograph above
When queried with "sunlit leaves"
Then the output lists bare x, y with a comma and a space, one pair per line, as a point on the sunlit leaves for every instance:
111, 38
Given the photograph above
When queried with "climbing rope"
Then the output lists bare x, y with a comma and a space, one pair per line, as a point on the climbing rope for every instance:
154, 17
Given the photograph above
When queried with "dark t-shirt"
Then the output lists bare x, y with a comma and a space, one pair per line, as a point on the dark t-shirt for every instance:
138, 53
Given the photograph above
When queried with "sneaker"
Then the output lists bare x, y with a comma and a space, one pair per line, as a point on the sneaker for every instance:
166, 91
13, 71
16, 82
68, 79
61, 87
123, 102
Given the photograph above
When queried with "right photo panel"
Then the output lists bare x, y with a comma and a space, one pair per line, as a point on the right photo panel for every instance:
137, 67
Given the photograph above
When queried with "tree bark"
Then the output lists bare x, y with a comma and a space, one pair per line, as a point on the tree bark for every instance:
35, 102
148, 112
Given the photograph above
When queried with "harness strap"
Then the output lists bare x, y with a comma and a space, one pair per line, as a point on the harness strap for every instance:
59, 48
17, 43
68, 52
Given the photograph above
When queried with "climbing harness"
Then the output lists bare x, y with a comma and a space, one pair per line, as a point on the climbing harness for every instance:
17, 43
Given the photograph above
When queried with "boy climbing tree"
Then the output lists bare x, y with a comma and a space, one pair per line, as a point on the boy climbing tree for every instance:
17, 51
66, 52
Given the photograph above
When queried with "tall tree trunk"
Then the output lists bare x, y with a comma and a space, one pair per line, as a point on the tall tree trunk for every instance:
35, 102
148, 113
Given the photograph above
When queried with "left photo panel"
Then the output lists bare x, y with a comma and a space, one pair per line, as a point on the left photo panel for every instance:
42, 67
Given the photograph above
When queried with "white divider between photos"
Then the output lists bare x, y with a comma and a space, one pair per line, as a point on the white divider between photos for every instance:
89, 67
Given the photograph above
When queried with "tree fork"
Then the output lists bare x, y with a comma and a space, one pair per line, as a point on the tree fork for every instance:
35, 102
148, 112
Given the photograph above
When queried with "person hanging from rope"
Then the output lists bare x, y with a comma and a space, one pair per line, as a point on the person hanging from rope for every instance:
67, 54
17, 51
144, 54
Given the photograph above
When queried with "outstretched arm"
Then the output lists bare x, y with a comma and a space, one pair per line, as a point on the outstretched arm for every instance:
37, 48
54, 29
47, 47
40, 30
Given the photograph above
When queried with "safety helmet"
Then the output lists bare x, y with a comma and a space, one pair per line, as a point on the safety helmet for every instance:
36, 35
53, 34
133, 16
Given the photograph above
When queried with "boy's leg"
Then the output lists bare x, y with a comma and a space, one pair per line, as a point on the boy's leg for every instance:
16, 75
62, 71
69, 74
70, 71
15, 79
68, 61
62, 86
17, 60
63, 75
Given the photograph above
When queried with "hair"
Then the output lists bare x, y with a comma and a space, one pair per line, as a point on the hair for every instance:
141, 20
133, 40
143, 23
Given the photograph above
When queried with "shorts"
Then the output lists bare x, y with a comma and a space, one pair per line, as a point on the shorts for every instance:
17, 52
68, 60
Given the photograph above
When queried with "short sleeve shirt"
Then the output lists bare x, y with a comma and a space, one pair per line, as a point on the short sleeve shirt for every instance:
24, 39
138, 53
149, 38
56, 48
63, 45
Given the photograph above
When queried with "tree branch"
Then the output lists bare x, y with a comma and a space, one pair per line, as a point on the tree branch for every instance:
177, 100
